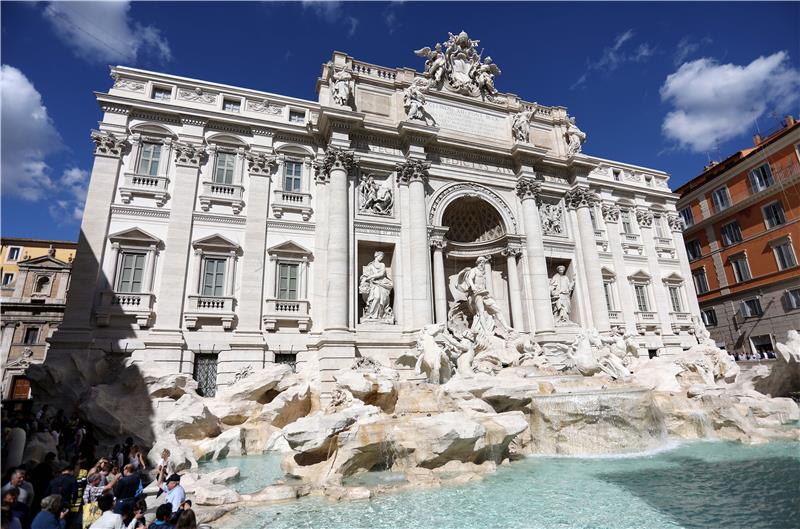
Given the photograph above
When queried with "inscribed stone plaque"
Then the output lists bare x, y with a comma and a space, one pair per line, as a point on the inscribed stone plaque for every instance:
374, 103
468, 121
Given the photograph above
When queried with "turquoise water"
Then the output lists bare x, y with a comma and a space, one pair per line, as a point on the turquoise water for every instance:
700, 485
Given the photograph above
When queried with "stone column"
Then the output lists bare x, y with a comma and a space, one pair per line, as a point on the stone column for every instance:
626, 298
645, 219
515, 300
439, 280
414, 174
336, 165
581, 199
528, 191
94, 229
676, 226
172, 289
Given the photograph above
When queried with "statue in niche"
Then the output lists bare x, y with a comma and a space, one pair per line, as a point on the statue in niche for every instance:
342, 86
575, 138
552, 221
375, 288
521, 126
561, 288
474, 283
376, 198
414, 102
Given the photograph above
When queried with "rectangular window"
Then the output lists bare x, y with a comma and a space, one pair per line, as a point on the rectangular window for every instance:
773, 214
213, 277
741, 270
617, 175
784, 255
693, 249
609, 295
287, 280
687, 216
162, 94
675, 298
131, 272
721, 199
641, 298
297, 116
8, 278
31, 336
223, 170
709, 317
149, 158
658, 226
292, 176
700, 281
231, 105
751, 308
593, 216
793, 298
762, 345
625, 215
731, 233
760, 178
13, 253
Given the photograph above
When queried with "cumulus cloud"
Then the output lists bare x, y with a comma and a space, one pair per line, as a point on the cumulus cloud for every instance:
618, 53
332, 12
715, 102
28, 136
105, 32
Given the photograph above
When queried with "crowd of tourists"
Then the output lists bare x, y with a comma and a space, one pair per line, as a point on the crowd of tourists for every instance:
75, 488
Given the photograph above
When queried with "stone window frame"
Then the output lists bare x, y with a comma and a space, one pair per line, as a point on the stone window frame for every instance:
713, 195
227, 98
792, 301
8, 254
753, 345
708, 321
148, 133
746, 314
675, 280
166, 88
292, 253
38, 277
722, 233
701, 271
642, 278
764, 214
750, 182
782, 241
610, 278
687, 212
25, 334
11, 281
738, 257
291, 152
215, 246
296, 110
134, 240
699, 250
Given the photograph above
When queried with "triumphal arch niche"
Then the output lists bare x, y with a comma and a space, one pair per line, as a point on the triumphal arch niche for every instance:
402, 206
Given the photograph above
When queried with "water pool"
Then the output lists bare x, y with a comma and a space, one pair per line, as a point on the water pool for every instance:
699, 485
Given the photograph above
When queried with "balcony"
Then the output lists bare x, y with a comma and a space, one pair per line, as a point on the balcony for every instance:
146, 186
631, 244
295, 312
137, 305
615, 316
647, 321
210, 307
291, 201
229, 194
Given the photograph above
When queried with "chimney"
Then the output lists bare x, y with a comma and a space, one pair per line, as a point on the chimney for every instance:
789, 121
756, 139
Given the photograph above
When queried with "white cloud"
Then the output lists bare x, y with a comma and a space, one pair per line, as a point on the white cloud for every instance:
28, 136
686, 47
105, 32
74, 182
332, 12
616, 55
715, 102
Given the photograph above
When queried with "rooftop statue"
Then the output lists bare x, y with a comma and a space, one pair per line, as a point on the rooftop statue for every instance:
575, 138
414, 102
342, 86
521, 126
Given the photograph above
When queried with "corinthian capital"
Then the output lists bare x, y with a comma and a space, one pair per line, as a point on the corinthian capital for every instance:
334, 158
580, 197
189, 154
260, 163
107, 144
610, 212
644, 218
412, 171
528, 188
675, 222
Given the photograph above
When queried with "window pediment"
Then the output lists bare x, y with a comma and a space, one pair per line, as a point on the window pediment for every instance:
640, 277
673, 279
44, 261
288, 249
608, 274
216, 243
135, 236
152, 131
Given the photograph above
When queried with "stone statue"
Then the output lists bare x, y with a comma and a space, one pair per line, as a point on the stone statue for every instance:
483, 75
375, 198
609, 353
474, 282
414, 102
561, 288
434, 63
432, 358
342, 86
551, 218
462, 351
521, 127
575, 138
701, 333
375, 287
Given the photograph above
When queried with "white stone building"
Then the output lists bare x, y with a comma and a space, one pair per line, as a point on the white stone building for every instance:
228, 227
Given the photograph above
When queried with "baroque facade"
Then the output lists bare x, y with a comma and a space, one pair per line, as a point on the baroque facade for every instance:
226, 227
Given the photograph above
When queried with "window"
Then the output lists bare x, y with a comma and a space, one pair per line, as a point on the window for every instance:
31, 336
285, 358
13, 253
625, 215
231, 105
658, 226
297, 116
162, 94
760, 178
287, 280
593, 216
762, 346
149, 159
700, 281
731, 233
675, 299
751, 308
641, 298
693, 249
223, 170
617, 174
20, 388
131, 272
793, 298
205, 373
607, 288
741, 270
773, 214
292, 176
42, 285
213, 276
709, 317
8, 278
721, 199
687, 216
784, 254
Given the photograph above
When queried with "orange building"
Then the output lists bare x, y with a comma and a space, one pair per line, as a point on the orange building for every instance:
742, 228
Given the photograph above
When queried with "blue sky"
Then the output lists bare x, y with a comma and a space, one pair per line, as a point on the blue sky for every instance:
664, 85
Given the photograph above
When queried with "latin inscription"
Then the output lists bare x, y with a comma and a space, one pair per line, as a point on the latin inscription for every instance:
467, 121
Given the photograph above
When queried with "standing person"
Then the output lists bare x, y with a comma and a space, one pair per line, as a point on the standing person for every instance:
52, 516
136, 459
15, 508
126, 488
175, 494
111, 520
15, 443
41, 475
66, 486
165, 468
186, 520
91, 494
26, 492
117, 456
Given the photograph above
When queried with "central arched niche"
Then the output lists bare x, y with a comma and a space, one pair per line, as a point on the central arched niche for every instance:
472, 220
